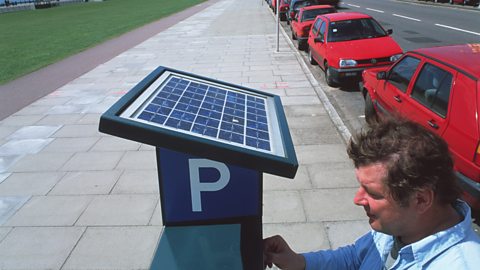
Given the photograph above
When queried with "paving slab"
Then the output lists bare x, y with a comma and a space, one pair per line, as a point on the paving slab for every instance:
93, 161
50, 211
71, 145
331, 205
295, 234
137, 182
29, 184
119, 210
86, 183
283, 206
42, 248
114, 248
341, 233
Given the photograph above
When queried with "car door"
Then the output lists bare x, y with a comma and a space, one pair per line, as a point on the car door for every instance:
391, 92
429, 96
318, 48
294, 24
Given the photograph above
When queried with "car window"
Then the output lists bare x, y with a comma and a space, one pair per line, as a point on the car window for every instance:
309, 15
355, 29
432, 88
401, 74
322, 30
316, 26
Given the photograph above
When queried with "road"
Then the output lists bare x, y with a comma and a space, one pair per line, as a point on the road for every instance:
414, 26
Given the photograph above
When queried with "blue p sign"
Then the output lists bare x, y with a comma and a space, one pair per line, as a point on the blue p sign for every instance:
196, 189
196, 186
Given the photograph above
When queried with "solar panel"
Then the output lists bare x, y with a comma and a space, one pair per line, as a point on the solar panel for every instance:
185, 109
193, 106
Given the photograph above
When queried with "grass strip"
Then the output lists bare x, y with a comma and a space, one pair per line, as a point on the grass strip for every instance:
30, 40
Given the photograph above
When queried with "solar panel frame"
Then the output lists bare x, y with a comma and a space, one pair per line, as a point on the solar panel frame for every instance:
123, 120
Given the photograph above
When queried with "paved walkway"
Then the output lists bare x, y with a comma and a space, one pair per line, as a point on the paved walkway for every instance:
73, 198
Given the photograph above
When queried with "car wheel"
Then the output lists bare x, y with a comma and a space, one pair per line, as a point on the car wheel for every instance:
293, 35
370, 113
328, 76
302, 46
310, 57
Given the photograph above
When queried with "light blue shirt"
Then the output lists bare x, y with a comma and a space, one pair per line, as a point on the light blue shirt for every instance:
455, 248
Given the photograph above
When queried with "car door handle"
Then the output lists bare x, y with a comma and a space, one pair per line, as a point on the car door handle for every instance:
432, 124
397, 98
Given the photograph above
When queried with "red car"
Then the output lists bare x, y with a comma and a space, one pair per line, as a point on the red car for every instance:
284, 6
439, 88
466, 2
303, 21
346, 43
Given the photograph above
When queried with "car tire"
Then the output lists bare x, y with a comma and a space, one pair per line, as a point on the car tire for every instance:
302, 46
310, 57
370, 113
293, 35
328, 76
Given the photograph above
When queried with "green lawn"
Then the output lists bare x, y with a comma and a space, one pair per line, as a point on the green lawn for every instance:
33, 39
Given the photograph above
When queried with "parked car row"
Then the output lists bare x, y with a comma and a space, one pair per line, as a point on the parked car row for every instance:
303, 20
457, 2
288, 8
437, 87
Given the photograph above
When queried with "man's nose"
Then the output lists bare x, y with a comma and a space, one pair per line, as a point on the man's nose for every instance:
359, 198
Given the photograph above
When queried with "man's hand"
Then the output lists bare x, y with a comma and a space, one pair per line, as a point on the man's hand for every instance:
276, 251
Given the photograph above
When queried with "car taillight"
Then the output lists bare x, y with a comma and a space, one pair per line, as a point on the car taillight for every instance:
476, 158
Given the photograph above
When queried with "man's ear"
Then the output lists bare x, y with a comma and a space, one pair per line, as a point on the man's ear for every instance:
423, 199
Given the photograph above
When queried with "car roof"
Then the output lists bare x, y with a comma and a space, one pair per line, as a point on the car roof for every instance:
317, 7
463, 57
341, 16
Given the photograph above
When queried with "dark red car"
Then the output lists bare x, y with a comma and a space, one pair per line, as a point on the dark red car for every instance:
284, 6
439, 88
346, 43
303, 21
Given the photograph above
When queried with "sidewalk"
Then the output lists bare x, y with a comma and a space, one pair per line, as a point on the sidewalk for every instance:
73, 198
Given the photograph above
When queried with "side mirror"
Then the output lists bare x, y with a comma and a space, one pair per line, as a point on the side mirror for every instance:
318, 39
390, 31
382, 75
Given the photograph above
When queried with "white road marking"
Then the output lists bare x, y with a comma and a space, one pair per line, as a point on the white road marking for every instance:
458, 29
353, 5
376, 10
405, 17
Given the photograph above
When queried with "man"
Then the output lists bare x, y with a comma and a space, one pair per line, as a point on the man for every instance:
408, 191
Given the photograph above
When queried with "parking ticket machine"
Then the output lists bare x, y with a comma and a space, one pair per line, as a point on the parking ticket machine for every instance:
213, 142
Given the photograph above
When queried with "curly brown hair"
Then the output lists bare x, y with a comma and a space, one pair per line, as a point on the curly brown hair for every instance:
415, 159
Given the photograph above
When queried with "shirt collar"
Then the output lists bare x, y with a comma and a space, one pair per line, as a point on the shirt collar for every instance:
430, 246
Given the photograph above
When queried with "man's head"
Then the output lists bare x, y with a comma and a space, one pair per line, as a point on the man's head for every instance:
398, 162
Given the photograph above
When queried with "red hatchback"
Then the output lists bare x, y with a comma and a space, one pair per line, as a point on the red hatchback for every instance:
346, 43
439, 88
303, 21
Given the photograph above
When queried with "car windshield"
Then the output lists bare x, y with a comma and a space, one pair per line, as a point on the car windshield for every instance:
309, 15
298, 5
355, 29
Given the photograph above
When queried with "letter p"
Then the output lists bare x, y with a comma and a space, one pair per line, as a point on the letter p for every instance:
196, 187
